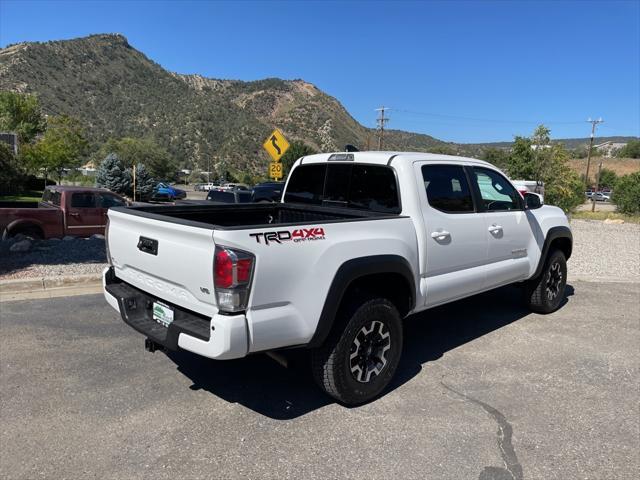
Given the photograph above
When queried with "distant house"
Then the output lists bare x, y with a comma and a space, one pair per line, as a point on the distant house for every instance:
88, 169
609, 149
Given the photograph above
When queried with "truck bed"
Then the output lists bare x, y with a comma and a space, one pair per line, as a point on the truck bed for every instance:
19, 204
239, 216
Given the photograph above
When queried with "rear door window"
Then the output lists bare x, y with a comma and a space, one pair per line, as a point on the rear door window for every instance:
447, 188
83, 200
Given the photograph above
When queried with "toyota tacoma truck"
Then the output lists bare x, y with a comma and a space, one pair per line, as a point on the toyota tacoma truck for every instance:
63, 210
359, 241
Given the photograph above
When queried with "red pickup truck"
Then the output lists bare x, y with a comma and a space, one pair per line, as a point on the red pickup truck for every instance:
76, 211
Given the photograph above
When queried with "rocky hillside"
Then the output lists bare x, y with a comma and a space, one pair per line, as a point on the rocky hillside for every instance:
117, 91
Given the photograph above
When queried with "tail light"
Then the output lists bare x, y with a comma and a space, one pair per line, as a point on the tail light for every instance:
232, 273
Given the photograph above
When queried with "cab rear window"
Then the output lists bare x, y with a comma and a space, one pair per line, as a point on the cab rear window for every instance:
361, 186
52, 197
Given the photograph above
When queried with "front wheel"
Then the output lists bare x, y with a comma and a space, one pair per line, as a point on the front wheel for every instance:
357, 362
545, 293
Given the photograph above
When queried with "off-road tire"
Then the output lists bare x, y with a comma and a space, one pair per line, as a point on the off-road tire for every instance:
332, 363
539, 291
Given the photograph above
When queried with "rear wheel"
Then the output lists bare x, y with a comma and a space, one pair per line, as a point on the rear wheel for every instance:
545, 293
358, 361
35, 233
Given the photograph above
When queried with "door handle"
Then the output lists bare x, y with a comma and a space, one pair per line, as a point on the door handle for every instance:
440, 235
74, 214
495, 228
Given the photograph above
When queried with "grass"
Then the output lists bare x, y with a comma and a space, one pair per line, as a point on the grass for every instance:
606, 215
33, 196
621, 166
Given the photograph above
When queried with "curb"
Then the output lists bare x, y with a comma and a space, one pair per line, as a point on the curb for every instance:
38, 285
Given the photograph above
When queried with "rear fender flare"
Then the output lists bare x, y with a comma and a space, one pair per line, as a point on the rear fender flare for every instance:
351, 271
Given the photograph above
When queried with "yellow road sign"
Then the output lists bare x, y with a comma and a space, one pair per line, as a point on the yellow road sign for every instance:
275, 170
276, 145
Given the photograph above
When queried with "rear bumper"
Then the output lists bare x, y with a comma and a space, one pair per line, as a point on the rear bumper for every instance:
219, 337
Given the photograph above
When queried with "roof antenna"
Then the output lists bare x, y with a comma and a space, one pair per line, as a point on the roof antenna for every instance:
351, 148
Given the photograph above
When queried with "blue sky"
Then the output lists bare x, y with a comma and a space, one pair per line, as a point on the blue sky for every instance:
460, 71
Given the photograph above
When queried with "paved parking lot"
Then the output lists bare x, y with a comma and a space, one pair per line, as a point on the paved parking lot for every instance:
485, 391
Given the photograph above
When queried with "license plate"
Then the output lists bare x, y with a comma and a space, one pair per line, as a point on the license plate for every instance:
162, 314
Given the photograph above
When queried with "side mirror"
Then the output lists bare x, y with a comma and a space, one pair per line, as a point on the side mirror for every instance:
532, 201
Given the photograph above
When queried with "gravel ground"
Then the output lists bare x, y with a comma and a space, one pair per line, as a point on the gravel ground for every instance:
601, 252
53, 258
605, 251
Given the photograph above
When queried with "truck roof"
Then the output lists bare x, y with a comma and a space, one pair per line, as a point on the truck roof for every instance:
384, 158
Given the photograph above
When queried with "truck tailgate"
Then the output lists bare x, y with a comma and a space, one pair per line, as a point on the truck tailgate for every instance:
170, 261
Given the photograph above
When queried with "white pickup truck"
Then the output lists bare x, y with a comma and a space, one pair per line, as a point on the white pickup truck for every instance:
360, 241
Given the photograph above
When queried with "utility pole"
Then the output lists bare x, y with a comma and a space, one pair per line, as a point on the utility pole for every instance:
594, 124
593, 197
381, 120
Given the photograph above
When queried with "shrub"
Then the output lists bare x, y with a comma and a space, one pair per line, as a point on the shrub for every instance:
626, 196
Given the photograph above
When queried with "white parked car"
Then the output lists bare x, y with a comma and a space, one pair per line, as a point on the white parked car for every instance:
360, 241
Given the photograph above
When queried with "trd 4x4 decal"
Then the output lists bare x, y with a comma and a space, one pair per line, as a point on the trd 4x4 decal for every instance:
298, 235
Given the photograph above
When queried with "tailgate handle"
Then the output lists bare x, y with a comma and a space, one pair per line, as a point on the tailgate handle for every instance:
148, 245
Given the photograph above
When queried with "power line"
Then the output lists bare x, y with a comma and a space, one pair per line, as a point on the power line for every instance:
487, 120
381, 121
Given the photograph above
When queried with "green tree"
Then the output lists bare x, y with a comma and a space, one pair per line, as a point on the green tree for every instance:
497, 156
144, 182
626, 196
536, 158
608, 178
113, 176
630, 150
521, 163
10, 174
132, 151
62, 146
21, 114
296, 150
562, 186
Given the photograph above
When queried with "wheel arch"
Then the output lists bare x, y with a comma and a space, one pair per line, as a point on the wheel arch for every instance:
560, 238
22, 225
389, 276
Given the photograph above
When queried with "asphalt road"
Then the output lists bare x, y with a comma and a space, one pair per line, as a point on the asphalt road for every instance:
485, 391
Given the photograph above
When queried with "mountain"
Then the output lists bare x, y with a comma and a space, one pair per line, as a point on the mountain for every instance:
117, 91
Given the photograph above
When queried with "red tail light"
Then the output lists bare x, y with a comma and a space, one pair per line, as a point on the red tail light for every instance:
245, 266
232, 271
223, 269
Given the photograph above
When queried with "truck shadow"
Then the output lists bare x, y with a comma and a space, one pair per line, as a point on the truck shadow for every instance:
262, 385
